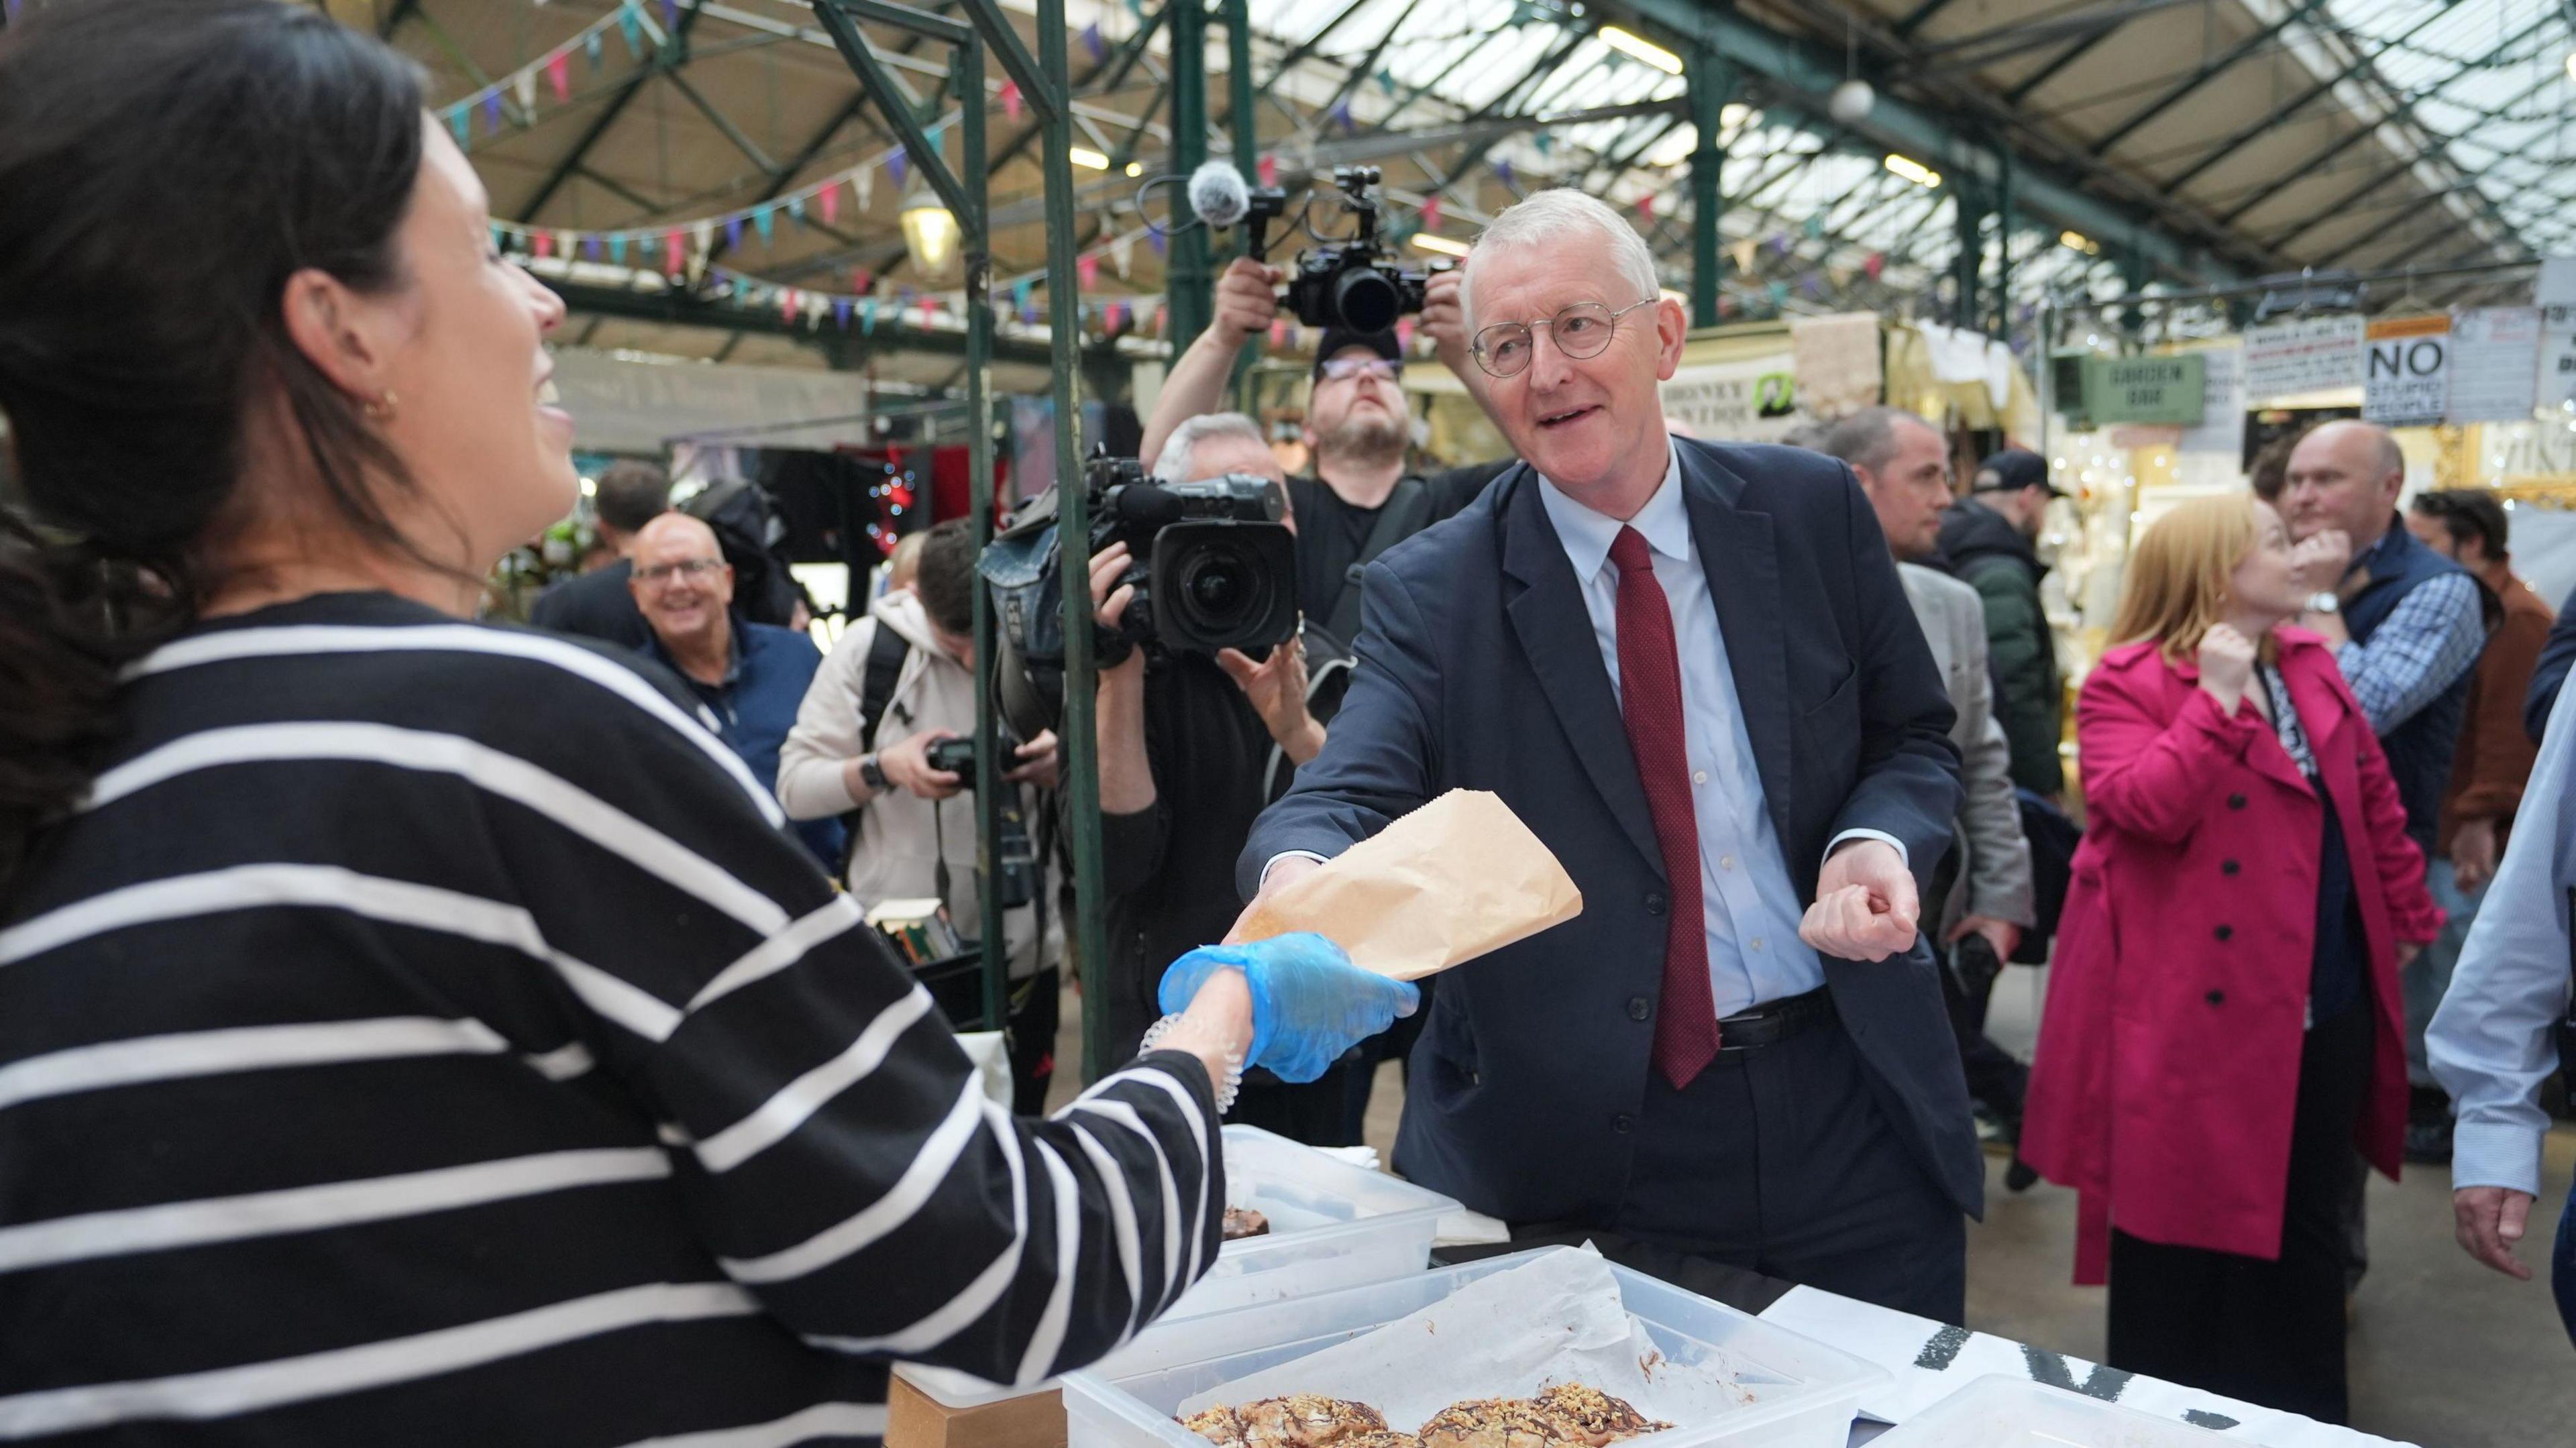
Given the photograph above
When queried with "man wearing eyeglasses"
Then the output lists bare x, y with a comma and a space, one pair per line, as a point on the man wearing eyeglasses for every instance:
750, 677
1692, 670
1361, 499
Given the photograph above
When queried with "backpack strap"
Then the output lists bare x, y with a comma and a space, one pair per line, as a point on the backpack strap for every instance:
886, 652
1407, 509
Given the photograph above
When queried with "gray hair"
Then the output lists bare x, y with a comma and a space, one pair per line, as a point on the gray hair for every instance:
1867, 438
1560, 214
1173, 464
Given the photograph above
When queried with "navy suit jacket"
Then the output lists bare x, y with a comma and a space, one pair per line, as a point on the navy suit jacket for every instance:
1478, 670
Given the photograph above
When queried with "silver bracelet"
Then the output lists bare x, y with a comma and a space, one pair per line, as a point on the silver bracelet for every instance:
1226, 1086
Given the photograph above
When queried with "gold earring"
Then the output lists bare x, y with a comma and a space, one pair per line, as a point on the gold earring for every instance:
381, 407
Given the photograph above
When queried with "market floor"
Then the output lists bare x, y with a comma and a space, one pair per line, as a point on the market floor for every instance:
2444, 1353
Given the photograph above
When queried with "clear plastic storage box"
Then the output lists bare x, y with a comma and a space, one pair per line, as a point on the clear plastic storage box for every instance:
2001, 1411
1805, 1393
1332, 1225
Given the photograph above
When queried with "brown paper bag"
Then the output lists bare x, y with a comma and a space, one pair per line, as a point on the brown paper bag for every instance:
1457, 878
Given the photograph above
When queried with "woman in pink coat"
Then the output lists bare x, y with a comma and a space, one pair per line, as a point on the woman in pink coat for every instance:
2223, 1027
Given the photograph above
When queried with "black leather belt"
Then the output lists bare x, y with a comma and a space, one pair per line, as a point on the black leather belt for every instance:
1775, 1021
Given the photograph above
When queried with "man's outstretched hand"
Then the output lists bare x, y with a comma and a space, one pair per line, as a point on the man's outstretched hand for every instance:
1865, 904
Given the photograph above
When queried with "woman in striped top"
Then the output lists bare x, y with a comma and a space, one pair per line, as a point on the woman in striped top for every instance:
412, 1031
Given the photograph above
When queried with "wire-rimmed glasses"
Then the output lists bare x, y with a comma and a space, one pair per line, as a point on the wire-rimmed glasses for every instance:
1581, 330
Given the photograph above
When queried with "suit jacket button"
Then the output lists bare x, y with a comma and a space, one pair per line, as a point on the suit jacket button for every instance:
1654, 903
2217, 997
2236, 801
1638, 1009
1623, 1123
2228, 867
2224, 932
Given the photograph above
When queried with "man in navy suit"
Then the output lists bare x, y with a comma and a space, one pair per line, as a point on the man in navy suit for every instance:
1693, 671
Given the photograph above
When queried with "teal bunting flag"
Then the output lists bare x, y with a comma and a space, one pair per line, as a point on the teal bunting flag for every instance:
595, 49
633, 32
764, 222
459, 120
617, 249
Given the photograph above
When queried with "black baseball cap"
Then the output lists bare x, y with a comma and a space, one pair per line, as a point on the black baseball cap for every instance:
1338, 340
2012, 470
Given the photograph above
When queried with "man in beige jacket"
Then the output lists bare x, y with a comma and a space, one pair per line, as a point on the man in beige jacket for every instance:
863, 752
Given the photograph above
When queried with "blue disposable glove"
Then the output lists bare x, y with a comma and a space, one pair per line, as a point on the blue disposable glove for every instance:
1309, 1003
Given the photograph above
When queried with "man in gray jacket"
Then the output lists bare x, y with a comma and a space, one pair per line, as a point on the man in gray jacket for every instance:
1904, 468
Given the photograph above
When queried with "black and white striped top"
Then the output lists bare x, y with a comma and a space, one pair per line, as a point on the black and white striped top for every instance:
421, 1036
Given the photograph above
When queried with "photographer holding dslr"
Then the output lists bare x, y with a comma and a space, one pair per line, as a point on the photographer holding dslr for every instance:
1362, 500
1187, 735
885, 737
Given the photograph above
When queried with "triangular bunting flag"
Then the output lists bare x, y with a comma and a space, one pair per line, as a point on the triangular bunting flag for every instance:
1386, 81
830, 196
1087, 268
1815, 225
460, 120
763, 222
525, 83
841, 312
706, 236
670, 14
596, 49
935, 134
491, 111
1341, 115
1095, 42
862, 281
626, 27
1646, 208
864, 185
1011, 99
545, 245
1431, 213
867, 315
1268, 166
733, 233
559, 74
1779, 292
1121, 252
1545, 142
671, 262
1503, 172
796, 207
1278, 335
1873, 264
897, 166
1745, 251
617, 249
1162, 244
1404, 334
590, 245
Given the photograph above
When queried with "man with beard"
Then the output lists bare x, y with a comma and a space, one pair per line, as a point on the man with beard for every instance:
1362, 500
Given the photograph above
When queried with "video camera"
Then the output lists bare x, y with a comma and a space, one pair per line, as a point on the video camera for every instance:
1355, 284
1212, 566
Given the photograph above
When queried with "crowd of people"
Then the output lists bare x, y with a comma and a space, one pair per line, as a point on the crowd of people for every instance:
414, 1030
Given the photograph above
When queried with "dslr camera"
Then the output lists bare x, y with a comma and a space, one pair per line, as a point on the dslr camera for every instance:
1019, 858
1212, 566
1355, 284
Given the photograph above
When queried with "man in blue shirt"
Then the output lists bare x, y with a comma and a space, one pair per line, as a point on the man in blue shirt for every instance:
750, 676
2494, 1040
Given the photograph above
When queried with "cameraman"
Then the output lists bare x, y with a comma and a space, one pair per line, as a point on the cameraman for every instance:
1361, 500
1185, 744
906, 674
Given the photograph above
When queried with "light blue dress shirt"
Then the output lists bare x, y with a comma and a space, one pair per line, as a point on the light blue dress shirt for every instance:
2493, 1042
1754, 953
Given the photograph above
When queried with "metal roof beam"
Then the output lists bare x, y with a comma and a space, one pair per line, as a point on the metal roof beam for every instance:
1806, 74
2209, 70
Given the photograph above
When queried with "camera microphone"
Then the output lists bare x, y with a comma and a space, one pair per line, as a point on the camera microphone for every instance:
1219, 195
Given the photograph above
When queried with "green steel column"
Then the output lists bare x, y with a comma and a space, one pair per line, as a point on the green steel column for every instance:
1712, 85
1969, 212
1188, 282
2004, 244
969, 72
1240, 97
1073, 514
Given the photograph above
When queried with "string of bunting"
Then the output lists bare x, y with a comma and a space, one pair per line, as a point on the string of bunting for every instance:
632, 22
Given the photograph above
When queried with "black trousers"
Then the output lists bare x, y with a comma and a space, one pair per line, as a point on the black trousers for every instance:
2268, 1333
1036, 1011
1315, 1112
1778, 1160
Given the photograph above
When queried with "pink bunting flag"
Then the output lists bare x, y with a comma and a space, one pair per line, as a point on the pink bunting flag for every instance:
1404, 334
1268, 166
787, 304
1431, 213
1011, 99
545, 245
830, 196
862, 281
1874, 263
1278, 335
559, 74
671, 252
1087, 267
1646, 208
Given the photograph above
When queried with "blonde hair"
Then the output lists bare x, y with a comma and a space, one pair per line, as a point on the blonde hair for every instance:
2181, 573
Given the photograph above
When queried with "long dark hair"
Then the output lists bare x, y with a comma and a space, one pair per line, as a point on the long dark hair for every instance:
165, 167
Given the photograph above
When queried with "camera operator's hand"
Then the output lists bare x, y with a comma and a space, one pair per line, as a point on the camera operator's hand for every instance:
1037, 762
1109, 605
1277, 688
1247, 301
1309, 1003
1444, 319
907, 767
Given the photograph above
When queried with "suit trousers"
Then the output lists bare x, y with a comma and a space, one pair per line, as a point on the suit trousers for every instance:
1778, 1160
2268, 1332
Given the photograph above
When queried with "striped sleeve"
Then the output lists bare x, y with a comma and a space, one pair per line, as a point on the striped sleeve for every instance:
834, 1149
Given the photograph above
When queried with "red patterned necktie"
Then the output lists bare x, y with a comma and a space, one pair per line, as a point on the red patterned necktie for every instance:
1650, 699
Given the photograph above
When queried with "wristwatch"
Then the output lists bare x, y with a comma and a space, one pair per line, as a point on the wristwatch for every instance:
2324, 603
872, 772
